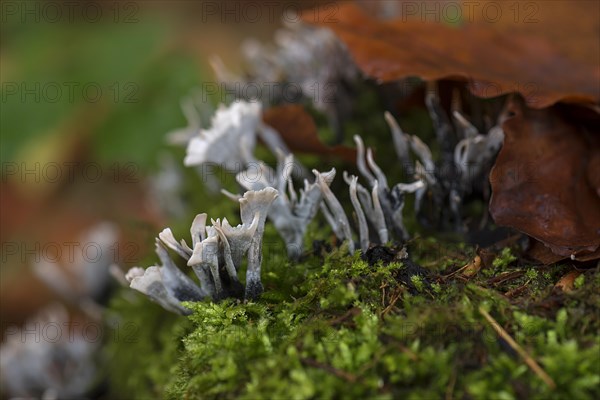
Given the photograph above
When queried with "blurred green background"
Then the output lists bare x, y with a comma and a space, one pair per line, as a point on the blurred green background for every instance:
143, 63
98, 83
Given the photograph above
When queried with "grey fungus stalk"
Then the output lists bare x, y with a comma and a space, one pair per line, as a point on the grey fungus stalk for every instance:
473, 158
369, 202
251, 204
165, 284
363, 229
476, 151
424, 167
216, 258
401, 143
177, 283
391, 200
149, 282
466, 158
334, 212
289, 213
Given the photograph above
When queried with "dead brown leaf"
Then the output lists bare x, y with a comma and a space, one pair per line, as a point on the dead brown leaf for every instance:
299, 132
495, 59
541, 180
538, 251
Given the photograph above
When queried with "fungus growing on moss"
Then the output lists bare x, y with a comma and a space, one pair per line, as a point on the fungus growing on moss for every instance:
165, 284
290, 213
334, 212
372, 210
216, 258
391, 200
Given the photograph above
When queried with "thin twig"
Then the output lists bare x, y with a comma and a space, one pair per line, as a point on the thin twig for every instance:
451, 274
531, 363
382, 287
395, 295
517, 290
505, 276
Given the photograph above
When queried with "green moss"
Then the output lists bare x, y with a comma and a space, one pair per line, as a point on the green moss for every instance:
579, 281
337, 327
504, 259
417, 281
